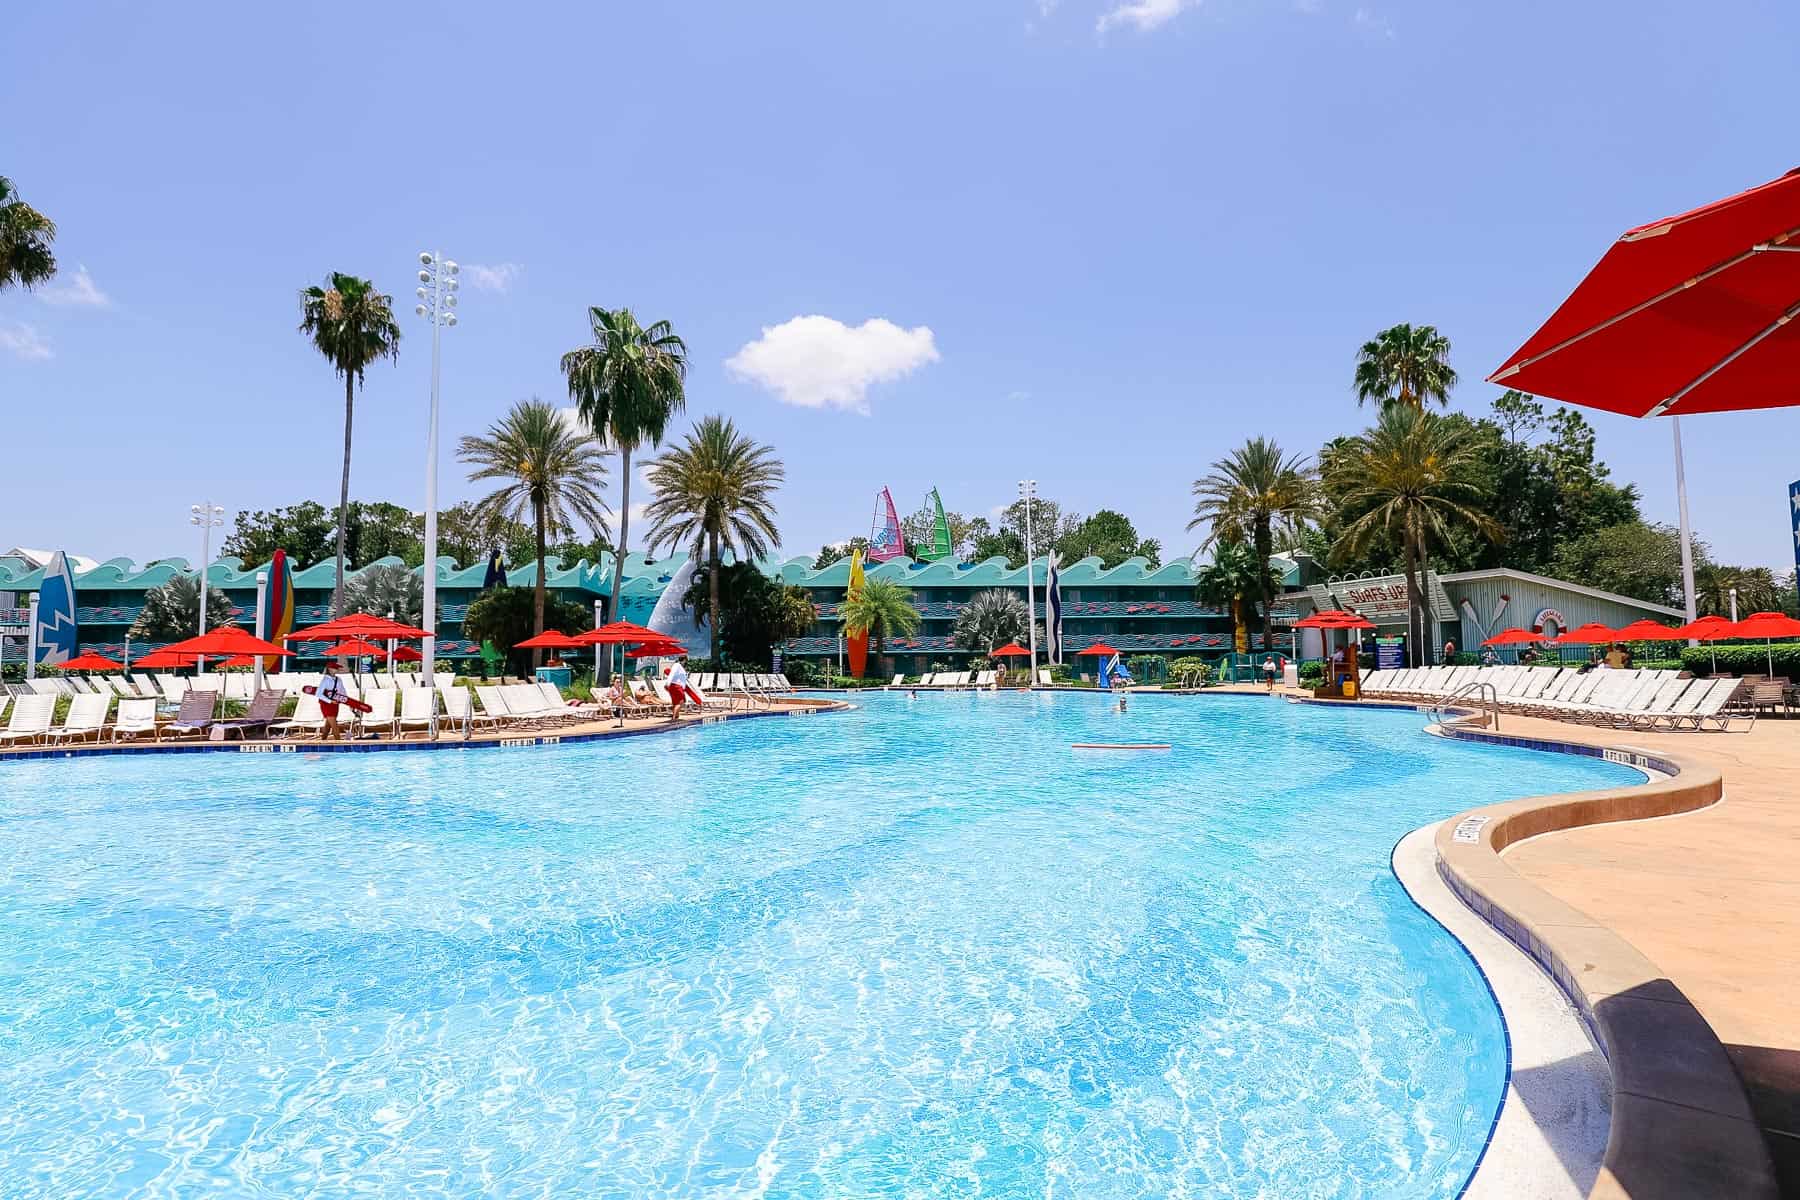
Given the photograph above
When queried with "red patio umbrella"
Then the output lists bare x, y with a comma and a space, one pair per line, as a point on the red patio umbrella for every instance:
224, 642
616, 633
238, 660
1515, 637
1767, 626
550, 639
164, 660
1591, 634
355, 648
89, 661
1010, 650
362, 625
1647, 630
1690, 314
408, 654
1098, 648
1708, 629
663, 649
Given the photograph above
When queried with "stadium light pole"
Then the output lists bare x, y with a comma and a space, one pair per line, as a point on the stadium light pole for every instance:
208, 516
1028, 493
437, 304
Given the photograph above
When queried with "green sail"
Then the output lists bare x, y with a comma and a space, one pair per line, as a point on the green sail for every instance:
939, 546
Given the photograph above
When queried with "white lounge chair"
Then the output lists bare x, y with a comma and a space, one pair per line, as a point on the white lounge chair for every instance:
30, 721
87, 714
1044, 676
418, 706
306, 719
133, 718
380, 717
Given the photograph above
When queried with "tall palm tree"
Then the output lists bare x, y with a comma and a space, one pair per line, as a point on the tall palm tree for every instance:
1405, 364
1233, 578
626, 385
715, 492
882, 609
1412, 477
990, 619
25, 237
552, 470
352, 325
1250, 490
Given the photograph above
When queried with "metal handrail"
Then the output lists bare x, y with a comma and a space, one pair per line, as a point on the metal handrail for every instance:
1477, 689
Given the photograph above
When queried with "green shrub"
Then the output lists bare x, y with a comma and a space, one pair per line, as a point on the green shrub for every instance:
1744, 659
1312, 672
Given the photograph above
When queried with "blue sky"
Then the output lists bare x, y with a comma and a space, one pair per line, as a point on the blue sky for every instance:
1101, 242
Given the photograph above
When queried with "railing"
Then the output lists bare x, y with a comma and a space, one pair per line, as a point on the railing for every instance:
1477, 691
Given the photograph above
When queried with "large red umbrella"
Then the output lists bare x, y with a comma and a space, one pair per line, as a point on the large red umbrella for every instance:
163, 660
408, 654
1010, 650
89, 661
550, 639
1515, 637
663, 649
224, 642
1708, 629
363, 625
1098, 648
1767, 626
1693, 313
1593, 633
617, 633
239, 660
1649, 631
355, 648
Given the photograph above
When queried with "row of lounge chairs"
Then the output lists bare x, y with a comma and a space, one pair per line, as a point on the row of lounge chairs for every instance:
1622, 699
235, 685
949, 680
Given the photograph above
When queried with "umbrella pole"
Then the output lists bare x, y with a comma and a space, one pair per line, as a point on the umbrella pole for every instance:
1687, 538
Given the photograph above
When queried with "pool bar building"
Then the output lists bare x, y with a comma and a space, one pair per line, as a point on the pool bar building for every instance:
1134, 606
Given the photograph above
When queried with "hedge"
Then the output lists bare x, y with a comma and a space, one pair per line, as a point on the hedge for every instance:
1743, 659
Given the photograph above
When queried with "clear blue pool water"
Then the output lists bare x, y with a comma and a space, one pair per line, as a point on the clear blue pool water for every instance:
919, 950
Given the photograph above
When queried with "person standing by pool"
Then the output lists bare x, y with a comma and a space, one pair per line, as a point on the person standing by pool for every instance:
330, 693
1268, 670
679, 691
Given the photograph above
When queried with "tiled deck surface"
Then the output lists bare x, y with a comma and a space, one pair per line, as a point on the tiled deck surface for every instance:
1711, 897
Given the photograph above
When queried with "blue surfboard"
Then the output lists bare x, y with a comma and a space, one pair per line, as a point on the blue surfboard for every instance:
56, 613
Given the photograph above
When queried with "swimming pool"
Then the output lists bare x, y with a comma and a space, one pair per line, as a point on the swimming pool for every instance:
919, 949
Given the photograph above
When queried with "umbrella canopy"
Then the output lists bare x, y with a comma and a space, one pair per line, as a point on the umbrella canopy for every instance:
1098, 648
1692, 313
224, 642
617, 633
238, 660
163, 660
362, 625
1766, 625
1649, 631
355, 648
89, 661
1515, 637
1010, 650
1707, 629
408, 654
550, 639
1593, 633
1334, 618
666, 649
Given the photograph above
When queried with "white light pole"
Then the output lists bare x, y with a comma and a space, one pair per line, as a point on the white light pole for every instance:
437, 304
1028, 493
1734, 606
208, 516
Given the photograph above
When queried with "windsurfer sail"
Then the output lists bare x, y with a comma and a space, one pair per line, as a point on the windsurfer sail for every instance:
939, 546
884, 530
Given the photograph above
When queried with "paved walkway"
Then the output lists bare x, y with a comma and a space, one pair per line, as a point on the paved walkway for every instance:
1711, 897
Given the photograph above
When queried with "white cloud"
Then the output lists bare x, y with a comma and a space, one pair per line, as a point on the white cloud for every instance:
819, 362
1373, 23
76, 291
496, 277
24, 341
1143, 15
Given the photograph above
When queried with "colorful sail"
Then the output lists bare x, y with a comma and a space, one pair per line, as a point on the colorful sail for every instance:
858, 644
55, 632
885, 541
939, 546
1053, 610
276, 620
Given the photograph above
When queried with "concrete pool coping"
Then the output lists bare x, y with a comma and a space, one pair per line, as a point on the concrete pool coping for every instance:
1682, 1125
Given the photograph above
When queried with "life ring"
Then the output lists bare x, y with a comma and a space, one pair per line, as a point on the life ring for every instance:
1551, 615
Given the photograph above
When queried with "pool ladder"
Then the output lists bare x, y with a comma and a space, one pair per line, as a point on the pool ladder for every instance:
1474, 694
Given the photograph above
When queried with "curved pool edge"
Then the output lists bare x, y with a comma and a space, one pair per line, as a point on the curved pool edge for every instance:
1681, 1121
1547, 1139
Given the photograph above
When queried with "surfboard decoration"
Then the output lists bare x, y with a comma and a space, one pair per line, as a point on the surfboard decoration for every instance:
56, 628
939, 546
677, 623
885, 541
278, 606
858, 644
1053, 611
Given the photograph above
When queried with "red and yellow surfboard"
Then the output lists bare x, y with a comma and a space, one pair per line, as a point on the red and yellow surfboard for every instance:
859, 644
277, 616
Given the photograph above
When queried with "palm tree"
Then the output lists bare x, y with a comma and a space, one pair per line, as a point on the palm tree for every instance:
882, 609
387, 590
989, 619
1248, 491
626, 386
171, 611
352, 325
715, 492
553, 470
1231, 578
25, 237
1413, 478
1407, 364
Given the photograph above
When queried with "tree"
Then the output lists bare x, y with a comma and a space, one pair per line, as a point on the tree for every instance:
1632, 558
1235, 578
626, 385
1412, 478
758, 612
1111, 537
25, 237
352, 325
305, 530
470, 535
831, 552
882, 609
1519, 415
1757, 589
552, 470
509, 615
986, 543
387, 590
171, 611
716, 492
1249, 490
1405, 365
1048, 523
990, 618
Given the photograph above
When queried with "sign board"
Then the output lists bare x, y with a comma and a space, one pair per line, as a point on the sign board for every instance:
776, 668
1382, 598
1390, 653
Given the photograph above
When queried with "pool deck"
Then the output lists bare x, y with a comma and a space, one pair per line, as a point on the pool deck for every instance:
582, 731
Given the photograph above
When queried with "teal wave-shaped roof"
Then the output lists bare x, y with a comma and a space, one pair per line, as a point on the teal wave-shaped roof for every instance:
989, 572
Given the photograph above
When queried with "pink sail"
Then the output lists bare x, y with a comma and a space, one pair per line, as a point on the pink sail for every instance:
885, 541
